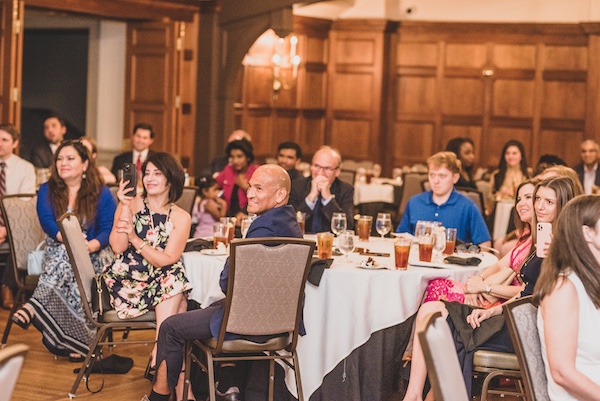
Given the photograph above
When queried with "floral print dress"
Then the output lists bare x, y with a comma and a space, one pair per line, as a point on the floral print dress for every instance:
137, 286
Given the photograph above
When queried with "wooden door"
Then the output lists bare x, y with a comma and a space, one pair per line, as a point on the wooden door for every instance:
11, 55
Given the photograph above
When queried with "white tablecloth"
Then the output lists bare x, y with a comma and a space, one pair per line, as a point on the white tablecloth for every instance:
365, 193
348, 306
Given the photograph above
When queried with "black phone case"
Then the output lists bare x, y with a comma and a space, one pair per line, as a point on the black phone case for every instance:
130, 174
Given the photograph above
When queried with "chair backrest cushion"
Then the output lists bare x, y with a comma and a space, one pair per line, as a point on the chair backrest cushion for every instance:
11, 362
411, 185
523, 326
268, 283
186, 201
78, 253
441, 359
24, 226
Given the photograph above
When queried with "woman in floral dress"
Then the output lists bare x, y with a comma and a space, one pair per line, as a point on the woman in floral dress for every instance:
148, 237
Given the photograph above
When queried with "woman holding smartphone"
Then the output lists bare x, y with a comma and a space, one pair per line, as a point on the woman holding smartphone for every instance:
148, 237
477, 328
568, 292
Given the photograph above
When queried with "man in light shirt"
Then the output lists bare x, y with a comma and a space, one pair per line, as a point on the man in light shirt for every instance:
587, 170
17, 176
141, 140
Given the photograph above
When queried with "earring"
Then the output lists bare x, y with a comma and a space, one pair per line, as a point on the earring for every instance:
83, 176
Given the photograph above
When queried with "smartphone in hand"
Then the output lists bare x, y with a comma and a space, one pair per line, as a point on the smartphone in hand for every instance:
544, 231
130, 174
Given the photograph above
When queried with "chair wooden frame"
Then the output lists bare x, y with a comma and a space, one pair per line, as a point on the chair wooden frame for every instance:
441, 359
282, 347
528, 363
83, 270
13, 208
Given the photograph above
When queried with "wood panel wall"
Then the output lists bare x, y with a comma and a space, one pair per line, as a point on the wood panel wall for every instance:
396, 93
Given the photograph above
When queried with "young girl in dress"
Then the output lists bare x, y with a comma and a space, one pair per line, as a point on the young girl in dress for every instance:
209, 208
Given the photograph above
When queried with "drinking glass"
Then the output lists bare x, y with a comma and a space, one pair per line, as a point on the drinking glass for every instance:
383, 225
423, 227
220, 234
346, 243
301, 218
440, 242
245, 226
363, 227
325, 245
338, 223
450, 241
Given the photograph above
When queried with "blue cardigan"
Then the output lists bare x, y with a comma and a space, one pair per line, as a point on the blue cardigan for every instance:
98, 230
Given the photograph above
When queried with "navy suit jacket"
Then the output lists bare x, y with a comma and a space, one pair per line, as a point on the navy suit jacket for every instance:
343, 201
277, 222
579, 170
42, 156
123, 158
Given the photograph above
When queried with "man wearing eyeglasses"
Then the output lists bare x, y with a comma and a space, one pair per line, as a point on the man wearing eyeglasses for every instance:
323, 193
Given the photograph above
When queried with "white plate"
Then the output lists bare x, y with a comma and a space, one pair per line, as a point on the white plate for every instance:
371, 267
213, 252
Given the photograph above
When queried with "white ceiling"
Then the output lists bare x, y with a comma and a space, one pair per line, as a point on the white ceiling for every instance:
561, 11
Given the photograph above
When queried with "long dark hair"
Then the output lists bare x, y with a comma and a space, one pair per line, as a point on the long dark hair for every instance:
89, 192
499, 177
570, 251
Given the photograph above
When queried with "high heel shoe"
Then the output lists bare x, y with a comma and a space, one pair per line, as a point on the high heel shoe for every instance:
150, 370
22, 318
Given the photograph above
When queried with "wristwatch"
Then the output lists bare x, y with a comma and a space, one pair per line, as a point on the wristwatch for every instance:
488, 288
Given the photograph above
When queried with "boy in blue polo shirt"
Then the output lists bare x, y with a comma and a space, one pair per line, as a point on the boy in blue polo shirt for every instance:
443, 203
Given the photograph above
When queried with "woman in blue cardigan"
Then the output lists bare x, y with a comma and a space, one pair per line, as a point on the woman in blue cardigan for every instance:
55, 307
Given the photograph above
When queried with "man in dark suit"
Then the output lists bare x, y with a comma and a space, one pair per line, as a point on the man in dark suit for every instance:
323, 193
289, 154
587, 170
267, 198
141, 140
54, 132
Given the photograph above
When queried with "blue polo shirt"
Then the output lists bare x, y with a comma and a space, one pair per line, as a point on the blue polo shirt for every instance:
458, 212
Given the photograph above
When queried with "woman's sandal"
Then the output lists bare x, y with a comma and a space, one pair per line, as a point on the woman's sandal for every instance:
150, 370
23, 320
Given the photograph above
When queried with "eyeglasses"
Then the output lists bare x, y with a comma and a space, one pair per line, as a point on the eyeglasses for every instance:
327, 170
468, 248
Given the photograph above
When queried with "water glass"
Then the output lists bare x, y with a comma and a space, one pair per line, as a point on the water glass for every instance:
383, 225
338, 223
346, 243
245, 225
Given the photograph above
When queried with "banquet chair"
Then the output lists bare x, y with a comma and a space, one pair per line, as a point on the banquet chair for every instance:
492, 364
411, 186
521, 320
83, 270
265, 296
347, 176
475, 195
24, 234
442, 363
11, 363
187, 199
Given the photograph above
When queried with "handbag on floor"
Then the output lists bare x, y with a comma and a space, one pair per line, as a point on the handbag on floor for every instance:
34, 260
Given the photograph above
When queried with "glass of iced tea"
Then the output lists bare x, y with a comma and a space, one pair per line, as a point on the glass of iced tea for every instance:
230, 222
402, 252
220, 234
325, 245
450, 241
301, 218
363, 227
426, 243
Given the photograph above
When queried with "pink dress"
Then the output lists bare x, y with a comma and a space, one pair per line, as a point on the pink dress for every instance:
205, 221
454, 291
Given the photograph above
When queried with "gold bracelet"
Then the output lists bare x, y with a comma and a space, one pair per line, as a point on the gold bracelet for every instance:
139, 250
